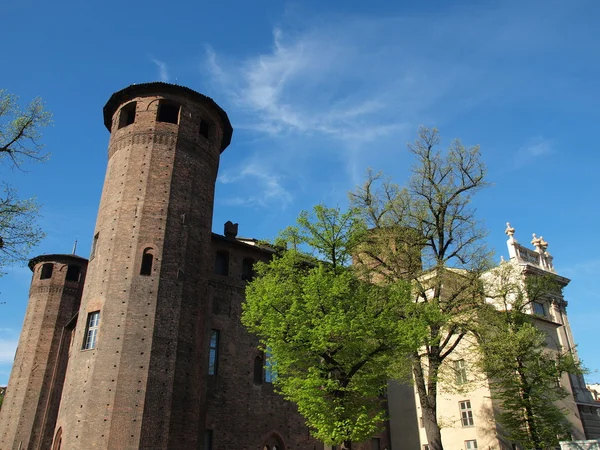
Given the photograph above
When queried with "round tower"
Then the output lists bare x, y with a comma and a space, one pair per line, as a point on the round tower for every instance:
136, 375
29, 410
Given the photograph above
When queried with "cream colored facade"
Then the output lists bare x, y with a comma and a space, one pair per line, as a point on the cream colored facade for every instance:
466, 411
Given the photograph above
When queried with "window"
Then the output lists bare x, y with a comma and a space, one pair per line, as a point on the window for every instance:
247, 269
466, 413
147, 261
46, 271
57, 440
167, 112
208, 439
426, 447
91, 330
72, 273
213, 352
204, 129
270, 368
538, 309
127, 115
471, 445
375, 444
94, 245
461, 371
258, 370
222, 263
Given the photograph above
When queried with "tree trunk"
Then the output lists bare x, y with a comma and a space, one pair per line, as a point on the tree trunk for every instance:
428, 401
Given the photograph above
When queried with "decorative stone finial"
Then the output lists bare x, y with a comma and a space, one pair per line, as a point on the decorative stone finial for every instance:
543, 244
510, 231
536, 242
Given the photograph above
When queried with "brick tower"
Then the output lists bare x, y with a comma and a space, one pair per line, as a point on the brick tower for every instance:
29, 411
136, 374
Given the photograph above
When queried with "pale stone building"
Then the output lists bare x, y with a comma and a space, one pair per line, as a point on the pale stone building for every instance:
466, 411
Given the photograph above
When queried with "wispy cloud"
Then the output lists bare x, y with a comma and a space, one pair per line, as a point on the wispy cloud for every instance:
271, 191
535, 148
163, 70
7, 350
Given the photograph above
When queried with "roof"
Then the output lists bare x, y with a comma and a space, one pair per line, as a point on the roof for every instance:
135, 90
54, 256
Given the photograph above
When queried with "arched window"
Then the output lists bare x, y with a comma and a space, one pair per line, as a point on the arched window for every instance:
57, 440
258, 370
46, 271
168, 111
273, 442
147, 261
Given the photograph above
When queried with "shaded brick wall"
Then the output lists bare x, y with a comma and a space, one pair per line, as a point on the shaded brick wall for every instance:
29, 410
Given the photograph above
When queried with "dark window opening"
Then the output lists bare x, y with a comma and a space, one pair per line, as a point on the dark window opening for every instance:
147, 261
73, 273
127, 115
204, 129
222, 263
94, 245
46, 271
247, 269
168, 112
213, 352
208, 439
258, 370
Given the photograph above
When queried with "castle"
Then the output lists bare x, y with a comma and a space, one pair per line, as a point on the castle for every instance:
141, 347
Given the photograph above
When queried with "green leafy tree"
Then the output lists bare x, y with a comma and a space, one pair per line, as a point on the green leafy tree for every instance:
19, 143
427, 234
333, 338
524, 371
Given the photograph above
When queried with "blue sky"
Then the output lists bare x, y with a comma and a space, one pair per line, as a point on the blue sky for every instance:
317, 92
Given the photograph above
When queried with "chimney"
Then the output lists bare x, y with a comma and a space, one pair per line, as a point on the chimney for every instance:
231, 229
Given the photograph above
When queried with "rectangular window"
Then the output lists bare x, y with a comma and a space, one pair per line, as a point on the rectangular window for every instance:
222, 263
466, 413
460, 369
213, 352
208, 439
538, 309
94, 245
375, 444
91, 330
47, 269
247, 269
471, 445
204, 129
167, 112
127, 115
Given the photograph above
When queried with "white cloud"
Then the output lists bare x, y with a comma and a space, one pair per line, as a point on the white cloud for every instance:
536, 148
8, 348
163, 70
270, 187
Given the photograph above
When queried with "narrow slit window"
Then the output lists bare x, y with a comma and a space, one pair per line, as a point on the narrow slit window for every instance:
247, 269
258, 370
91, 330
73, 272
213, 352
204, 129
46, 271
147, 262
168, 112
222, 263
270, 368
208, 439
127, 115
94, 245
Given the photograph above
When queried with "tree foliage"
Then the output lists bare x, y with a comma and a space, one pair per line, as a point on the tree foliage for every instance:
19, 143
334, 338
427, 233
524, 369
